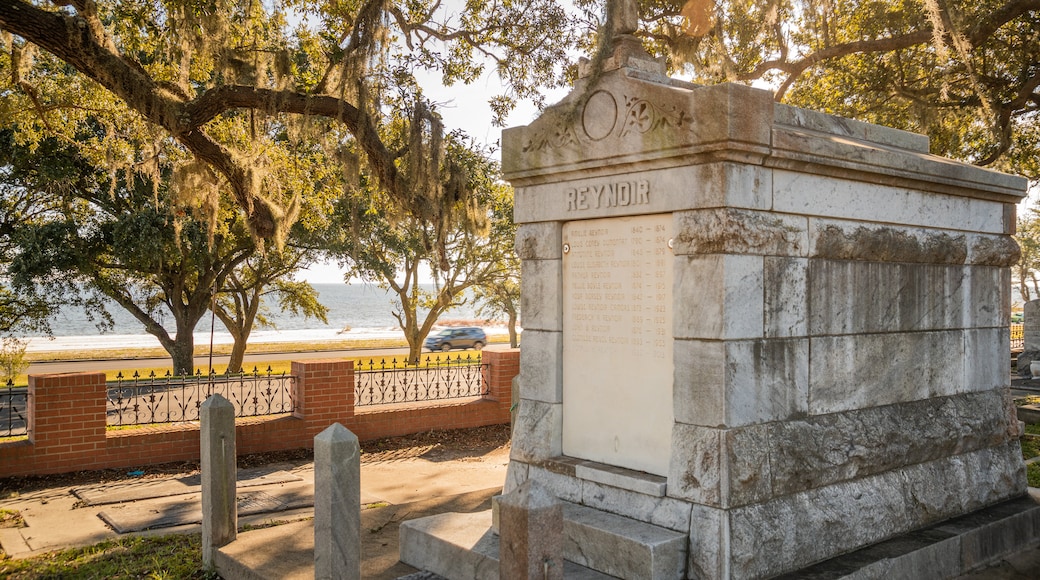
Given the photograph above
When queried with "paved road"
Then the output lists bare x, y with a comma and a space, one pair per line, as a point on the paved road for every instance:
202, 362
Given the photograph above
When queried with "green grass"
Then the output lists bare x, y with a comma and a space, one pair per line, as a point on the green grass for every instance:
1030, 447
1033, 474
158, 557
1033, 429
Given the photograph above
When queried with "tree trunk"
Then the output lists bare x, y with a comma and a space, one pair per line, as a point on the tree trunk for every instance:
238, 349
511, 326
238, 354
241, 336
414, 344
183, 354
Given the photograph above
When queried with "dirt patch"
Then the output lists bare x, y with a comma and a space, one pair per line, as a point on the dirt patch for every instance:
432, 445
438, 445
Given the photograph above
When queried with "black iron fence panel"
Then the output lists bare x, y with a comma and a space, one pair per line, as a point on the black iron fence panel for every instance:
434, 379
14, 411
138, 400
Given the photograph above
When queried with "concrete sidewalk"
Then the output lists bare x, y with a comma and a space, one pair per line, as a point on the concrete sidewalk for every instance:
393, 489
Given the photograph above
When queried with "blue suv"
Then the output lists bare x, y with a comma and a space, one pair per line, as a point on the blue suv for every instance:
446, 339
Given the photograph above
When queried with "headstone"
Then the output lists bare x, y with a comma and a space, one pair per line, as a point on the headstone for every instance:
218, 471
531, 534
337, 504
1030, 337
780, 332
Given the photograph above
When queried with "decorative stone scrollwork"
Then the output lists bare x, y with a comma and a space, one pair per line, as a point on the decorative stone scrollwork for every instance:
555, 135
601, 119
643, 116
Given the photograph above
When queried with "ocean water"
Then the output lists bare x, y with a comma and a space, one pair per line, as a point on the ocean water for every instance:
355, 311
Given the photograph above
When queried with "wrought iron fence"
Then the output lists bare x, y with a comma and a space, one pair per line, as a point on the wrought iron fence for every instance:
138, 400
430, 380
14, 405
1018, 341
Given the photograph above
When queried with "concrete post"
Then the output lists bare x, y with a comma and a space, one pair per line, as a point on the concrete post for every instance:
531, 534
337, 504
219, 510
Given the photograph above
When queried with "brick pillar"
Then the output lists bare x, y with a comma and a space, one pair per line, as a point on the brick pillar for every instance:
324, 392
502, 366
67, 420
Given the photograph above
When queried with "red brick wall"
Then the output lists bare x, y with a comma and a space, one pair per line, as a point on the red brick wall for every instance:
67, 419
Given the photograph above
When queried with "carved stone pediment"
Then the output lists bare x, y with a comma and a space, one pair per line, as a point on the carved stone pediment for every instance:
607, 117
629, 112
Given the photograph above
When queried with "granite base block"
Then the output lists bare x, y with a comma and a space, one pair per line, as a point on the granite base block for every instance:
945, 550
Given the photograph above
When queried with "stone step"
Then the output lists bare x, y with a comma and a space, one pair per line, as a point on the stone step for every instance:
621, 546
597, 545
458, 546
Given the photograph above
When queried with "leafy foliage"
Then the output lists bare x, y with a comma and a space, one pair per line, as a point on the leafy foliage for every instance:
1027, 269
499, 292
98, 239
33, 187
964, 73
246, 92
12, 358
381, 243
264, 276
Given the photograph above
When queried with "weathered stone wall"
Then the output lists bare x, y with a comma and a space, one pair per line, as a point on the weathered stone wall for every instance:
841, 304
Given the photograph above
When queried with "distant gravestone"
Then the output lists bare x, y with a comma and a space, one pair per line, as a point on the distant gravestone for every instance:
737, 313
1030, 337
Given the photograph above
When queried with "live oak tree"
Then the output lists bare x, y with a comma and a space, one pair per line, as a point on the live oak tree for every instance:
394, 248
499, 293
23, 182
25, 187
263, 278
87, 240
322, 73
1027, 270
966, 73
119, 243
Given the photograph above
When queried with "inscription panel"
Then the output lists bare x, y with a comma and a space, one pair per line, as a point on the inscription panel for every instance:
617, 341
